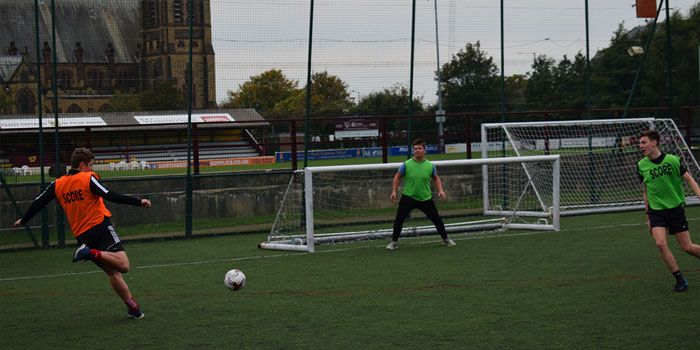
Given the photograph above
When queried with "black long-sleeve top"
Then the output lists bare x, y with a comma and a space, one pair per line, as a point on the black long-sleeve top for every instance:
96, 187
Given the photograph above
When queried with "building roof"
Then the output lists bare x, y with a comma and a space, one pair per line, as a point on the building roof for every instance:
8, 66
124, 121
93, 23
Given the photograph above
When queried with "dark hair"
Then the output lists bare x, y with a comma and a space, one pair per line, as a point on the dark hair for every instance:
417, 142
652, 134
80, 155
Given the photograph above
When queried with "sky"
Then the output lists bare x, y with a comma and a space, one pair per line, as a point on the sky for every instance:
367, 43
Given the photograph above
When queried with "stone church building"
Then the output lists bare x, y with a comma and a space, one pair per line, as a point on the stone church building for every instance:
103, 48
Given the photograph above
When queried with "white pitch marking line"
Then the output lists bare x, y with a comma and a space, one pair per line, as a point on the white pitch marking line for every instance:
189, 263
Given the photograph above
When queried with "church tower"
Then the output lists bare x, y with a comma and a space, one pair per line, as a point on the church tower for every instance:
164, 50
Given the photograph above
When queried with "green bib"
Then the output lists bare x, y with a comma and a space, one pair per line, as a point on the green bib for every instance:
417, 179
663, 181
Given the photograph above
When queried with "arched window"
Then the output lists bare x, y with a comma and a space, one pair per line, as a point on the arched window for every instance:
24, 76
106, 108
74, 108
65, 79
126, 79
26, 102
96, 78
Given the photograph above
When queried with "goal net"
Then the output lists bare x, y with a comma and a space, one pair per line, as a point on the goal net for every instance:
598, 157
348, 203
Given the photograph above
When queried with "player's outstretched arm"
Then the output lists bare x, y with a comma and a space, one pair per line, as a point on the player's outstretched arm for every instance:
40, 202
99, 189
692, 183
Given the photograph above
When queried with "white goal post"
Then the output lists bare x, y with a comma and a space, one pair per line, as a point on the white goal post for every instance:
331, 204
599, 157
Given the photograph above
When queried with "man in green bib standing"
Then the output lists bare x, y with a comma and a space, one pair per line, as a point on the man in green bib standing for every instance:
418, 173
664, 197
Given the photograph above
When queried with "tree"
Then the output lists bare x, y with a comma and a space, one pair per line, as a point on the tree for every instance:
613, 70
555, 85
470, 81
569, 83
329, 97
390, 101
125, 102
263, 92
516, 88
653, 89
160, 96
686, 70
540, 85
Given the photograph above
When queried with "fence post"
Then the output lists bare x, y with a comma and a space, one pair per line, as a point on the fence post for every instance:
293, 140
688, 126
468, 138
195, 149
384, 140
88, 134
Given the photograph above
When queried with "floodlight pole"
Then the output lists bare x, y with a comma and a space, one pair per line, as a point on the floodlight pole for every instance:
188, 180
484, 148
307, 111
410, 90
39, 92
588, 66
503, 77
440, 113
669, 59
591, 177
641, 63
60, 223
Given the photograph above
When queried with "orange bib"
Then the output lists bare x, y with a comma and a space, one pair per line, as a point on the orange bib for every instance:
83, 208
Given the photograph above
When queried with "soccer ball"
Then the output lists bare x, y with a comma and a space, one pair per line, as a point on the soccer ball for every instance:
234, 279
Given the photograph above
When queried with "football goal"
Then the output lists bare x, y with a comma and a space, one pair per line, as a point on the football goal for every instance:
598, 158
348, 203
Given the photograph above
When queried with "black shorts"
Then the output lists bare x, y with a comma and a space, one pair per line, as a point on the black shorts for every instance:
102, 237
672, 219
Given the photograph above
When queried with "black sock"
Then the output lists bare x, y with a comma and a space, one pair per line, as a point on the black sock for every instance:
678, 275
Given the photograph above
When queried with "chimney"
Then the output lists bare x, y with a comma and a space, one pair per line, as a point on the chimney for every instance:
78, 52
12, 51
46, 52
109, 53
46, 55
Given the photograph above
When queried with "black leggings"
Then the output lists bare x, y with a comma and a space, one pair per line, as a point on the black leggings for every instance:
406, 204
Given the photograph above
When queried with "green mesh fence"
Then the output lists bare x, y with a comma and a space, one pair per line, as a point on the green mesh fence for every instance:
203, 106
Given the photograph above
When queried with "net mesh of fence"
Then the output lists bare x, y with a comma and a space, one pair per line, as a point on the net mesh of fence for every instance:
115, 78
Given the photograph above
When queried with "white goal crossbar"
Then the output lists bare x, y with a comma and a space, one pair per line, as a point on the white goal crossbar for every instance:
550, 208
